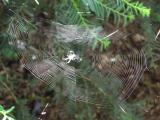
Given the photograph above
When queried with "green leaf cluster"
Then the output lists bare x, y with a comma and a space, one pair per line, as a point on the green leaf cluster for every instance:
6, 113
137, 8
103, 43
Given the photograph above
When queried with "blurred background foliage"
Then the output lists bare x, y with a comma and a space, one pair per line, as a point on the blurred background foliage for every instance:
29, 96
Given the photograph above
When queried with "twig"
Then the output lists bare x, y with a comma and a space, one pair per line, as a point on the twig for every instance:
43, 112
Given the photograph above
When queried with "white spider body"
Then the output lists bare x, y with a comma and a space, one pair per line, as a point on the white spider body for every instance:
71, 56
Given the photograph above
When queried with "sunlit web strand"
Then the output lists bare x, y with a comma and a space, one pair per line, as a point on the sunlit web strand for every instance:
139, 76
128, 69
133, 76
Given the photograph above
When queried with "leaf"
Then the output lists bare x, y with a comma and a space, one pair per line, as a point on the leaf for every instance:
10, 110
106, 43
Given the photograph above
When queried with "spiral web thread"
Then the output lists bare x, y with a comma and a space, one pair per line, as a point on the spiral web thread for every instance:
128, 68
47, 69
41, 65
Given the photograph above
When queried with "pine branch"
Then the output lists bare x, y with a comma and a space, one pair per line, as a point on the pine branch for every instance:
138, 7
74, 14
122, 10
104, 11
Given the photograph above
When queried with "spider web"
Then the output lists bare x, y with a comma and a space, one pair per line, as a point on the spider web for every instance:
42, 61
128, 68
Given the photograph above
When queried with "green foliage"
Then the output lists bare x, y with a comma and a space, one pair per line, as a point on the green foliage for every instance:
74, 14
103, 43
6, 113
105, 10
123, 11
137, 8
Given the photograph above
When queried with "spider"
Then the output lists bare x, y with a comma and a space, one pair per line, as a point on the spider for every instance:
71, 56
